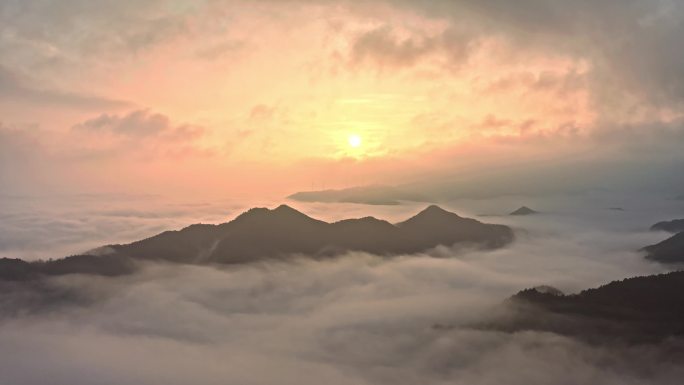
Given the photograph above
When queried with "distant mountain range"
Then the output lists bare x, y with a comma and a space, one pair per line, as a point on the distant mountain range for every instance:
670, 250
261, 234
641, 309
646, 309
105, 265
674, 226
368, 195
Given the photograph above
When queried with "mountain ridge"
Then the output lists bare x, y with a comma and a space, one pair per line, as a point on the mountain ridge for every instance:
670, 250
264, 234
638, 309
674, 226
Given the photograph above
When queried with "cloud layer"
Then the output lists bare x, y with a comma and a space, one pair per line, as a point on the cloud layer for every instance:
354, 320
357, 319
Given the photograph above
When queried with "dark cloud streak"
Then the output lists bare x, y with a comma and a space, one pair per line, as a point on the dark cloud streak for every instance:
14, 88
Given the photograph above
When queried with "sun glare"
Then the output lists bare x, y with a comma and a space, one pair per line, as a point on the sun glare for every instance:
354, 141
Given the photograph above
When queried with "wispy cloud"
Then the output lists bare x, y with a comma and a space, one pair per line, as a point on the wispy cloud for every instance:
15, 88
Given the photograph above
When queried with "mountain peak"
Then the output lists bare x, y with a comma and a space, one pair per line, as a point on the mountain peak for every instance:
432, 215
524, 210
282, 212
253, 212
545, 289
538, 293
433, 210
285, 209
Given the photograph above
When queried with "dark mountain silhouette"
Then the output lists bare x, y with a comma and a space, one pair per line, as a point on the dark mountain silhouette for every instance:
641, 309
524, 210
546, 290
261, 233
15, 269
436, 226
107, 265
670, 250
674, 226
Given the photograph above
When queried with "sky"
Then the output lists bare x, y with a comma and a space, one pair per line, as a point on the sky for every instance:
120, 119
261, 98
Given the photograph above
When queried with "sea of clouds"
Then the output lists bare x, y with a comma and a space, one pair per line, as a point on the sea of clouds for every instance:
356, 319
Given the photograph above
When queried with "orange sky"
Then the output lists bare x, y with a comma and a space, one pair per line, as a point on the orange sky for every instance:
244, 97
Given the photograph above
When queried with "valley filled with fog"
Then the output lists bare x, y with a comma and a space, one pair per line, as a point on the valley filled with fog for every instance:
353, 319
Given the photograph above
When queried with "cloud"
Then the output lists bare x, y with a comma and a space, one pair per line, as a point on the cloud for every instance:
14, 88
385, 47
619, 61
626, 43
37, 158
421, 78
141, 124
24, 162
41, 226
220, 50
380, 45
629, 43
60, 33
262, 112
137, 134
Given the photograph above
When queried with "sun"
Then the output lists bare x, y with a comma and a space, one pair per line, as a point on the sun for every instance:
354, 140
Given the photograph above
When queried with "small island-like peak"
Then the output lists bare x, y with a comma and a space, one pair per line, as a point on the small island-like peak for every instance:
524, 210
